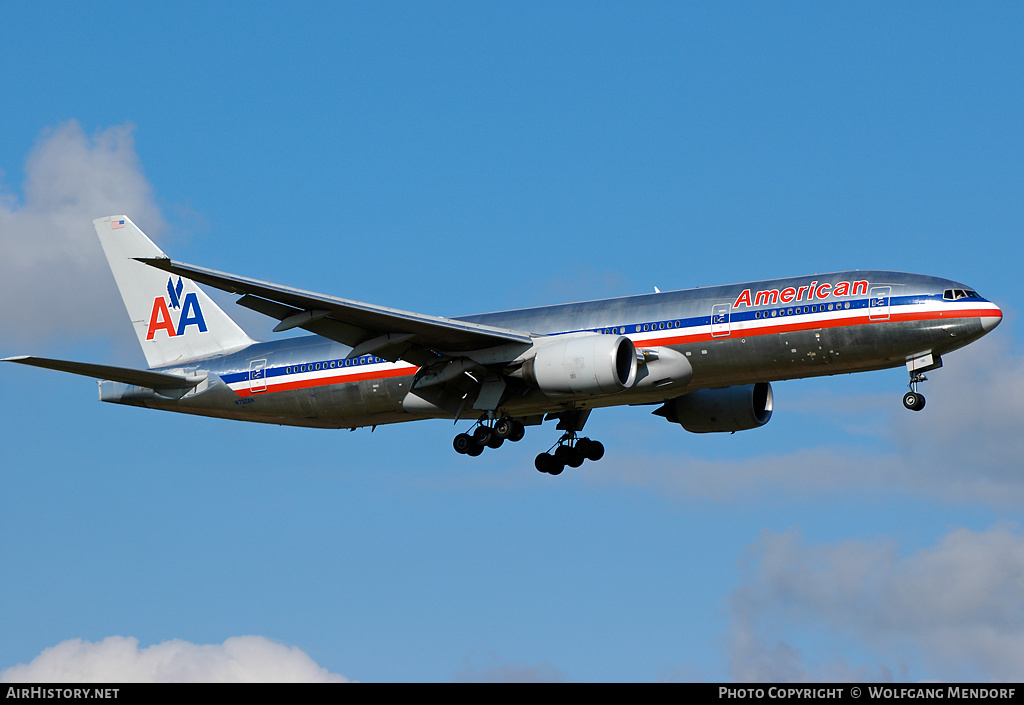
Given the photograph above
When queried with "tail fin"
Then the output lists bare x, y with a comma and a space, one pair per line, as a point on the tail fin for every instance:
176, 322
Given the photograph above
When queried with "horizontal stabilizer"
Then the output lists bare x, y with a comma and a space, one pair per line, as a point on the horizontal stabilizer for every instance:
140, 378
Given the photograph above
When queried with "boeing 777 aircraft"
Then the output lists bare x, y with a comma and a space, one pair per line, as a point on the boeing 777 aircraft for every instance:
704, 357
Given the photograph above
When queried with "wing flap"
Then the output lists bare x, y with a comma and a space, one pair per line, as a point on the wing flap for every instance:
314, 323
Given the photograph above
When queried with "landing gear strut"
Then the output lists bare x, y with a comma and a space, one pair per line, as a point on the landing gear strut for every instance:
917, 366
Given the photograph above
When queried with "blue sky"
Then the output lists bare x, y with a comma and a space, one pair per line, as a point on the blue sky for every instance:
455, 158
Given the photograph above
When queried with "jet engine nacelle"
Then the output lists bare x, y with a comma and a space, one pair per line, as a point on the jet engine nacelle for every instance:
721, 410
591, 364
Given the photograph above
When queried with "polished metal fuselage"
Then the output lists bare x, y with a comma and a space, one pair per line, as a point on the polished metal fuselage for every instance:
739, 334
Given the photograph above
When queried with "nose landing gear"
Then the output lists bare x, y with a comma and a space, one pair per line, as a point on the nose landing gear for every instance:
917, 366
913, 399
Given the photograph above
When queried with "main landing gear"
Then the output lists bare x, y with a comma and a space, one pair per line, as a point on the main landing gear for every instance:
570, 451
488, 436
913, 399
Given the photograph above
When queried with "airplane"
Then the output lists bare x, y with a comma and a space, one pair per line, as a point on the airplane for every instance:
704, 357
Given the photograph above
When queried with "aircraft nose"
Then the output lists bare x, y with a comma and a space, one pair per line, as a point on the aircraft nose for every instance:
992, 320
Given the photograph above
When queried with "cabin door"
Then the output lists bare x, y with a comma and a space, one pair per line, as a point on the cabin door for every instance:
720, 315
878, 307
258, 376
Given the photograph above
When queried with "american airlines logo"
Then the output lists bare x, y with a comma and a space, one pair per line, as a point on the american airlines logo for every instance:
188, 312
811, 292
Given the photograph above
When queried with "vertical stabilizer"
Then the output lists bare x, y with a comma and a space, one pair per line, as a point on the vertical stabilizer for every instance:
175, 320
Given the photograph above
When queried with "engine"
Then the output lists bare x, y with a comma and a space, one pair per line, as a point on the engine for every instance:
592, 364
726, 409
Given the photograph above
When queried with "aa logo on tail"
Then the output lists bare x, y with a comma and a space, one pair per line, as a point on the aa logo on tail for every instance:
189, 315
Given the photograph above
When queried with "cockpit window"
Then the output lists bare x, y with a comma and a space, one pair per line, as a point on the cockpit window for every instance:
956, 294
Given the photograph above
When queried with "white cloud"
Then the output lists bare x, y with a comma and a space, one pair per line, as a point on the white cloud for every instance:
958, 607
118, 659
53, 272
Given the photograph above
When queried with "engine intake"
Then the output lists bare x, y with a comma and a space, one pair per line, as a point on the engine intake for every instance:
721, 410
592, 364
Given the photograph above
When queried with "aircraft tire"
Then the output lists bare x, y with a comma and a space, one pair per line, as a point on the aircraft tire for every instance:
503, 428
575, 458
482, 435
518, 431
595, 450
475, 449
913, 401
544, 462
462, 443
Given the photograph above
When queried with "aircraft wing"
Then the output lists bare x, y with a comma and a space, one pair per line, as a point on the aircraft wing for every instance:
141, 378
369, 329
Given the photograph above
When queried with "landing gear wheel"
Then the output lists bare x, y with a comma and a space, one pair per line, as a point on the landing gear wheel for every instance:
547, 463
595, 450
913, 401
503, 428
462, 443
474, 450
482, 435
543, 462
575, 458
